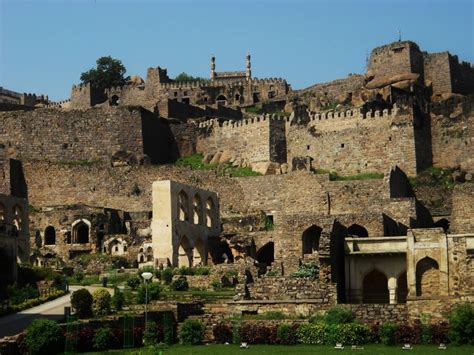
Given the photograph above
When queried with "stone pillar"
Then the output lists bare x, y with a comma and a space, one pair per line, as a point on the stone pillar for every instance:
392, 290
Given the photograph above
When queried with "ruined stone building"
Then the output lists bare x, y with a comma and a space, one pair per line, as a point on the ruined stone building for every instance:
14, 231
101, 179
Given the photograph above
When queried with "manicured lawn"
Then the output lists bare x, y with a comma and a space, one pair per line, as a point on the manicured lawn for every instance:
297, 349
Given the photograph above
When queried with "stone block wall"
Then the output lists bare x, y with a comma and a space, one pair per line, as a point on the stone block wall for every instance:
253, 140
337, 88
351, 143
437, 70
94, 134
380, 313
463, 209
396, 58
452, 132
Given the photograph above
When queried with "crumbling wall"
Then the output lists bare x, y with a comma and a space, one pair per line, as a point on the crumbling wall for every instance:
463, 209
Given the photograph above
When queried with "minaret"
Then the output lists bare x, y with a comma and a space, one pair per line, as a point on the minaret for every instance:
248, 71
213, 67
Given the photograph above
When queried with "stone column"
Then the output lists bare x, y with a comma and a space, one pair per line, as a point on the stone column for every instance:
392, 290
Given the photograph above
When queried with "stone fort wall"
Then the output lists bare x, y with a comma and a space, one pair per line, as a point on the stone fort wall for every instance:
452, 133
95, 134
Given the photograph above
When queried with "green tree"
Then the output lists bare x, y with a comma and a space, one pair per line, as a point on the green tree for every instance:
101, 302
43, 336
81, 301
186, 77
109, 72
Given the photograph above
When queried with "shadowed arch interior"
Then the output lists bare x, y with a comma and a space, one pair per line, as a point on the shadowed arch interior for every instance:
375, 287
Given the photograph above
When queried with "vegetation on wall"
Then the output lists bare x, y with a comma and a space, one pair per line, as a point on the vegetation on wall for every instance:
226, 169
186, 77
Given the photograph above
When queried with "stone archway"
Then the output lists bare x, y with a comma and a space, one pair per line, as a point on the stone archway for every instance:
50, 236
199, 252
184, 252
80, 232
375, 287
357, 231
427, 277
310, 239
266, 254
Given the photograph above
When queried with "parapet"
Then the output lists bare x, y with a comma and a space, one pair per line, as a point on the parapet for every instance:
354, 113
231, 124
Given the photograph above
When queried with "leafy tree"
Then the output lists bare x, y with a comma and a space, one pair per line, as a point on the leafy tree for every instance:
461, 324
118, 299
186, 77
101, 302
108, 73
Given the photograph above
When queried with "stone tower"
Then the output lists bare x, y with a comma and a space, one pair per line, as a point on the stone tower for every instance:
248, 71
213, 68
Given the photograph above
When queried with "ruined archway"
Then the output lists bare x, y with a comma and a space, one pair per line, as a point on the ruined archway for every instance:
357, 231
149, 254
375, 287
197, 209
310, 239
209, 212
221, 100
49, 236
183, 206
427, 277
266, 254
80, 232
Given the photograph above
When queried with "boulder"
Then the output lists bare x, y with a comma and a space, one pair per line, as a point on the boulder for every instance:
207, 158
468, 177
237, 162
266, 168
284, 168
383, 80
216, 158
225, 157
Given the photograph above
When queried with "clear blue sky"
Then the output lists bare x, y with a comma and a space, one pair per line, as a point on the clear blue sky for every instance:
46, 44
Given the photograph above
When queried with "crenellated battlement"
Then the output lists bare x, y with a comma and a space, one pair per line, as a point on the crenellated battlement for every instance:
218, 82
245, 122
353, 113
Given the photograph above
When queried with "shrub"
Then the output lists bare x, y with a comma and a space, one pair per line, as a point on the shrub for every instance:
81, 301
317, 318
307, 270
79, 276
153, 292
314, 334
118, 299
167, 275
180, 284
216, 285
150, 335
85, 341
103, 339
408, 334
134, 282
192, 332
461, 324
286, 334
387, 333
101, 302
119, 262
439, 333
43, 336
184, 270
18, 295
255, 333
222, 333
339, 315
348, 333
202, 270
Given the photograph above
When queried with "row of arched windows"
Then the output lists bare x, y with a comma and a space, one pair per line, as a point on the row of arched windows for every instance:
80, 234
17, 216
198, 217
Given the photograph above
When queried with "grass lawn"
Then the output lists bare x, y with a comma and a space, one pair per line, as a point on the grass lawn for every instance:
297, 349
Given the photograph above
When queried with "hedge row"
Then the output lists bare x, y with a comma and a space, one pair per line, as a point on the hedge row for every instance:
330, 334
31, 303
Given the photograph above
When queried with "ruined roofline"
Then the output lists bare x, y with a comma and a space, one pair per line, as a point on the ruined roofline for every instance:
328, 83
395, 44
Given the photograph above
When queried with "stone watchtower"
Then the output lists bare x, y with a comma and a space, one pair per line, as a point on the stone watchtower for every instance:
213, 68
248, 70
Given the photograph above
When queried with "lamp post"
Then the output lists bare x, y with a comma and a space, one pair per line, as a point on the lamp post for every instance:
146, 276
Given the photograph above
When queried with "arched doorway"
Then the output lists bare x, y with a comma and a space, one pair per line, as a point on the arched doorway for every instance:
81, 233
402, 288
427, 277
375, 288
310, 239
266, 254
221, 100
357, 231
149, 254
49, 236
